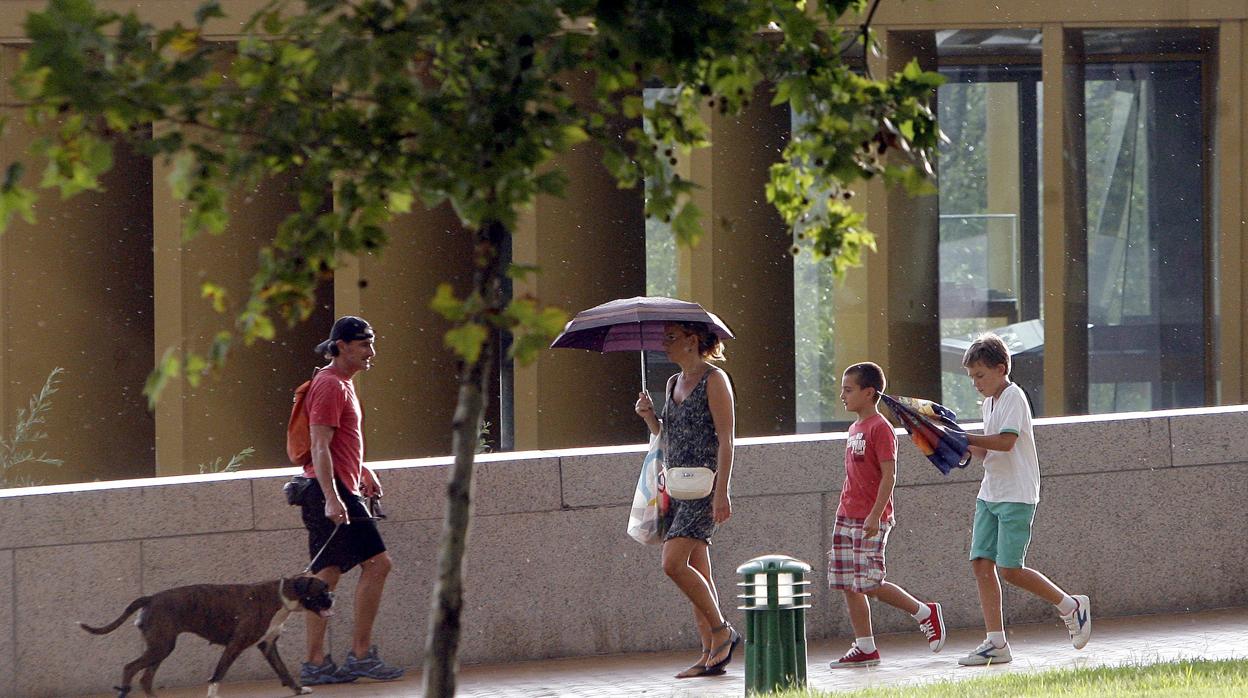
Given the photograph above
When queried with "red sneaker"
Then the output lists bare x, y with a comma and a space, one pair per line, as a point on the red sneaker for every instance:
934, 627
855, 658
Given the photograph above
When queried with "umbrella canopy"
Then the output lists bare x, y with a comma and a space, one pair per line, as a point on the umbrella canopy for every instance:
633, 324
934, 429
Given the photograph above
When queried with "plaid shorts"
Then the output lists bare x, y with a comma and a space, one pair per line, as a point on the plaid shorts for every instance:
855, 561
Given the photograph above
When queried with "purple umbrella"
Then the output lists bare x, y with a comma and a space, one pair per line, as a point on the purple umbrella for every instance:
633, 324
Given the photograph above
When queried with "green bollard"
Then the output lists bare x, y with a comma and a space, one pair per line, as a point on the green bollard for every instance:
775, 622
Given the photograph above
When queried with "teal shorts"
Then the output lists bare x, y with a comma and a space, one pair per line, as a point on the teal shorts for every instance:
1002, 532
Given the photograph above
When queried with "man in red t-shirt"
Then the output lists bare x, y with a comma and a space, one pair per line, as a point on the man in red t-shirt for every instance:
864, 518
340, 525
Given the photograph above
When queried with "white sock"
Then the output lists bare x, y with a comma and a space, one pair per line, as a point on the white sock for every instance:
866, 644
997, 639
1067, 605
923, 613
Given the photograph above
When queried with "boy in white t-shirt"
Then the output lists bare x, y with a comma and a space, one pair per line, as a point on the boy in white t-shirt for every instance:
1006, 504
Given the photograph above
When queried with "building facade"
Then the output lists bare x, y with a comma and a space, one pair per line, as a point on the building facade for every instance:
1091, 208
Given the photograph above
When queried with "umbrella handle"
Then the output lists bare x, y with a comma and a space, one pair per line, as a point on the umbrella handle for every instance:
644, 383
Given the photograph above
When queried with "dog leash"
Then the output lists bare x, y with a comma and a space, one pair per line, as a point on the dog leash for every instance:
375, 514
308, 569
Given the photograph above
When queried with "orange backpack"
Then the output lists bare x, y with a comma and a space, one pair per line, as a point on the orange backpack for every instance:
298, 430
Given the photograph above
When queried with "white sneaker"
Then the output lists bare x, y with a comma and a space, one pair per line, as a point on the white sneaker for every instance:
1079, 622
985, 654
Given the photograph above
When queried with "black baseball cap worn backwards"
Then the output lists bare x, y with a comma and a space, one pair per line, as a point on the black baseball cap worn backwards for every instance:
348, 328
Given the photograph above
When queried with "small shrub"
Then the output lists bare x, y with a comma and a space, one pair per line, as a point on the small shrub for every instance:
27, 430
233, 465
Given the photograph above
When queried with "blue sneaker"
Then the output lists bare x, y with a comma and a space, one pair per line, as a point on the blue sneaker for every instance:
369, 667
326, 672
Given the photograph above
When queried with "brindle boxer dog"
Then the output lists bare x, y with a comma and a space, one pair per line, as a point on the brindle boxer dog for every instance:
235, 615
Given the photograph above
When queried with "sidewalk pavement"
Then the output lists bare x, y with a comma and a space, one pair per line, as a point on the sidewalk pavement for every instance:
1219, 634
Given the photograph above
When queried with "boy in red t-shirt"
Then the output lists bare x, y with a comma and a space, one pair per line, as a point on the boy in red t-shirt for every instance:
864, 518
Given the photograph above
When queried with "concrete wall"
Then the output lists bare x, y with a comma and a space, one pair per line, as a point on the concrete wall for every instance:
1131, 507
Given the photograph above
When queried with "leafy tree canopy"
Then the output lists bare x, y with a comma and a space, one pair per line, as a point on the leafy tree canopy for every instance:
378, 105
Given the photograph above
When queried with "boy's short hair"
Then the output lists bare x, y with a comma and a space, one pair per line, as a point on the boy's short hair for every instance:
868, 375
989, 350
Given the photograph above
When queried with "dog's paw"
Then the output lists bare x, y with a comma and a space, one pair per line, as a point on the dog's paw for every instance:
303, 691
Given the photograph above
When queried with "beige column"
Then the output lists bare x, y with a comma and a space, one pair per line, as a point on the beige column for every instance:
167, 273
590, 247
248, 403
695, 266
525, 249
855, 314
348, 275
10, 58
409, 395
902, 285
742, 270
1065, 246
1231, 156
75, 293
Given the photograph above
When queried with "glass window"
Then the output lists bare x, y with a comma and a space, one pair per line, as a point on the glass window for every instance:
819, 338
989, 208
1146, 234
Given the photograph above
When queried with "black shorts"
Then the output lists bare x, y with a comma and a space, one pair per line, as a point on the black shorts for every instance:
354, 543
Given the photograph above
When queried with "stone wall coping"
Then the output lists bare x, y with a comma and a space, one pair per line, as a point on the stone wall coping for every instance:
440, 461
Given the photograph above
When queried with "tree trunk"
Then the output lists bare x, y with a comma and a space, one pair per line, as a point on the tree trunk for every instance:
442, 644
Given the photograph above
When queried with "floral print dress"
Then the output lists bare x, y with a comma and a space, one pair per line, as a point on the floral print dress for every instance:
691, 442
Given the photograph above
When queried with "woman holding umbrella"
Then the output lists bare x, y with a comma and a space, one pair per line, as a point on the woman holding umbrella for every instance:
698, 425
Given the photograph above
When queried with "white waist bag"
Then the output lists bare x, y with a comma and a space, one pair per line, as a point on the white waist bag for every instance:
690, 483
686, 483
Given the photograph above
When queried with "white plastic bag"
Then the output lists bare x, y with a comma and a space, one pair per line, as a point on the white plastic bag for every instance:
647, 519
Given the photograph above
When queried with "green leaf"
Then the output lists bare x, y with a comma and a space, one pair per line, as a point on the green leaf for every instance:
16, 201
467, 341
912, 71
553, 182
687, 225
783, 91
534, 328
221, 344
633, 106
256, 325
180, 175
400, 201
445, 303
520, 272
184, 42
214, 292
572, 134
906, 128
196, 369
272, 23
168, 368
